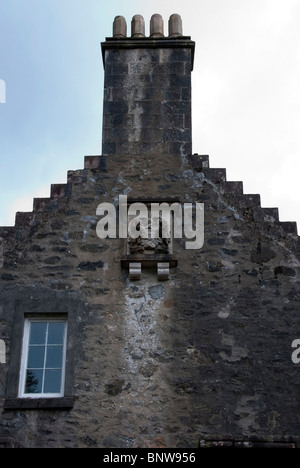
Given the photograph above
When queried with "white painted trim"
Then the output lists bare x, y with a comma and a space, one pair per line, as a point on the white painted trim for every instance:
24, 359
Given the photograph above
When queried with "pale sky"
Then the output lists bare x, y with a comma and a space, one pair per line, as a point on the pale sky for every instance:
245, 92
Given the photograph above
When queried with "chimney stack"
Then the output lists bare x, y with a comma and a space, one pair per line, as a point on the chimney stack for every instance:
147, 89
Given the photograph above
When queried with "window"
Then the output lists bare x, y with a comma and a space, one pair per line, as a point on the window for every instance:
48, 309
43, 358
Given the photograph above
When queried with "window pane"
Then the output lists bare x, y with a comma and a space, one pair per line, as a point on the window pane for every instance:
38, 333
36, 357
56, 333
52, 382
33, 382
44, 346
54, 356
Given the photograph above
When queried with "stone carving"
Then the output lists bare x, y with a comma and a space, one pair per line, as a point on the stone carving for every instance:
158, 244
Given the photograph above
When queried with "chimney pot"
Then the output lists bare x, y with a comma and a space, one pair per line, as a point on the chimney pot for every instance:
119, 27
156, 26
175, 25
137, 26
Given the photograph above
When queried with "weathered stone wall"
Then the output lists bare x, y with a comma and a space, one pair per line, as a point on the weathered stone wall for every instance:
203, 356
160, 363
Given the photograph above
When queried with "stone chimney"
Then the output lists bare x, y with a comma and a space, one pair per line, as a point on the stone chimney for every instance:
147, 89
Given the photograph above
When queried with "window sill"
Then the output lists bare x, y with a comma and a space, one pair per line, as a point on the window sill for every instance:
39, 403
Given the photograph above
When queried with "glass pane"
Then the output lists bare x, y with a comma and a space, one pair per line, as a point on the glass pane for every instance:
33, 382
54, 356
52, 382
36, 357
38, 333
56, 333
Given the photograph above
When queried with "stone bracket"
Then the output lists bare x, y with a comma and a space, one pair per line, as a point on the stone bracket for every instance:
135, 270
163, 271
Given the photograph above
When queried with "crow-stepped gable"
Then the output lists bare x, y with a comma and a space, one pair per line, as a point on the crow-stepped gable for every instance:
125, 342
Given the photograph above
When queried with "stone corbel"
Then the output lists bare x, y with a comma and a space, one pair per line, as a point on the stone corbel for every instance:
163, 271
135, 271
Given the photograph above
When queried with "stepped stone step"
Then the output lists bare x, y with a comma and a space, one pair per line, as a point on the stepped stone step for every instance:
44, 204
91, 162
215, 175
77, 177
24, 218
199, 162
290, 227
60, 190
270, 215
233, 187
7, 231
250, 200
95, 162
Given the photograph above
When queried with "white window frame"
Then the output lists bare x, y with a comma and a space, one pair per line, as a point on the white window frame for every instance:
24, 358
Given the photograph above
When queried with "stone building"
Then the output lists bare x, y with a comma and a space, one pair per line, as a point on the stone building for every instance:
131, 342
